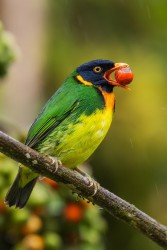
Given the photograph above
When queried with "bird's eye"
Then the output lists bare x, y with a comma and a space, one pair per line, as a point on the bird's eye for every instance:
97, 69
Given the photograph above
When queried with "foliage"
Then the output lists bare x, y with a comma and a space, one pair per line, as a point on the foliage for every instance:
7, 50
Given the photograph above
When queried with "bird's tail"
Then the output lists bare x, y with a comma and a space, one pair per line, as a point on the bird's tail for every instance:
18, 196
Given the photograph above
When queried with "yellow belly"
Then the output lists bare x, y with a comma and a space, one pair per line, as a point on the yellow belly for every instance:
85, 138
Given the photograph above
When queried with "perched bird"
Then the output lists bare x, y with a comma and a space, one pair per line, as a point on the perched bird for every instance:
73, 122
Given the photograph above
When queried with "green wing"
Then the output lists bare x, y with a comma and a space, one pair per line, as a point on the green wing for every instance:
68, 103
57, 109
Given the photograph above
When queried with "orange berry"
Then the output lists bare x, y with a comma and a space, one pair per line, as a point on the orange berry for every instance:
73, 212
33, 225
33, 242
51, 183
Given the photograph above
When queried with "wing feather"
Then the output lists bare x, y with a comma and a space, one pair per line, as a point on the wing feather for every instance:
49, 126
57, 109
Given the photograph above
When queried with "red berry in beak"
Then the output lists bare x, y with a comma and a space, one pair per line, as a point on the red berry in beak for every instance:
123, 75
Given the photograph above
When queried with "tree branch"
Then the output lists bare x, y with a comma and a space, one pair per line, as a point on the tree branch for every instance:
116, 206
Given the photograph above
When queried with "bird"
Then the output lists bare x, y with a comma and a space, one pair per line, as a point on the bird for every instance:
73, 122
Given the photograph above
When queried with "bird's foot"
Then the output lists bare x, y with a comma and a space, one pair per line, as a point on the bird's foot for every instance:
56, 163
94, 184
90, 180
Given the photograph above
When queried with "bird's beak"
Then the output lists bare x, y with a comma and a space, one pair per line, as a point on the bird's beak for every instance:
123, 75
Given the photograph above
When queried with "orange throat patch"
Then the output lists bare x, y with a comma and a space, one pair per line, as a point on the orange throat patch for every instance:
109, 99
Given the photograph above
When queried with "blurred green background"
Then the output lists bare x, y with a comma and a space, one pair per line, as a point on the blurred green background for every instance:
50, 39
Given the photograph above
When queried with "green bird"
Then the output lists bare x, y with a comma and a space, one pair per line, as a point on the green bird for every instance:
73, 122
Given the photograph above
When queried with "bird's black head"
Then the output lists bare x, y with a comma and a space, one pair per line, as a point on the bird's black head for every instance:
97, 73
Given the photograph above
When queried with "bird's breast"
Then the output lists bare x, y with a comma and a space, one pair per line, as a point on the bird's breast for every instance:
74, 142
86, 135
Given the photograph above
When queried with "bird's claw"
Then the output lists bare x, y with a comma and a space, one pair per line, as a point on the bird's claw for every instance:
56, 163
92, 183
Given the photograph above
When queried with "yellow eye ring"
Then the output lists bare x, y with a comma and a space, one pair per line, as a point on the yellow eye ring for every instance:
97, 69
